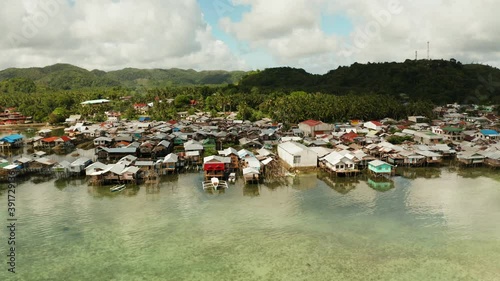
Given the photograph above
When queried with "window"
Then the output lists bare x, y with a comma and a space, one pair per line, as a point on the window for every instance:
296, 159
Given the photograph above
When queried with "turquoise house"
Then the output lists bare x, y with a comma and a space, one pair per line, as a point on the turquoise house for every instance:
380, 168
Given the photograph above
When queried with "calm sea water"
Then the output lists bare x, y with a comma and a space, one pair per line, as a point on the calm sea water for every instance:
431, 224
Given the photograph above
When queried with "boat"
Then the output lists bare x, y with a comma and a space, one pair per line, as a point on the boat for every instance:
232, 178
117, 188
214, 183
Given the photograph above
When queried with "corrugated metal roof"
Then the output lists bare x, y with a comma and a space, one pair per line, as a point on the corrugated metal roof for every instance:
292, 148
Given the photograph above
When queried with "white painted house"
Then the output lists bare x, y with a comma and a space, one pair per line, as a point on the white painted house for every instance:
339, 162
373, 125
297, 155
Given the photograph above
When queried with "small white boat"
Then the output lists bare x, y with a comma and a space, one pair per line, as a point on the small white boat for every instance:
117, 188
232, 178
214, 183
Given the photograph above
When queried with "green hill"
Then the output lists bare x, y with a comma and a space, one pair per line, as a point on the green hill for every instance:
440, 81
66, 77
437, 80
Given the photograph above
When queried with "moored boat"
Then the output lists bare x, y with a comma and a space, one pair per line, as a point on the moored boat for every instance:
214, 183
117, 188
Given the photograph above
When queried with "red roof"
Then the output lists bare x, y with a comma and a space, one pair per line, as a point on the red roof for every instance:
311, 122
50, 139
213, 166
350, 136
122, 143
53, 139
140, 105
377, 123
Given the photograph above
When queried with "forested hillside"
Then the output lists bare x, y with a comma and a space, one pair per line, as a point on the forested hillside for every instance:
360, 91
70, 77
438, 80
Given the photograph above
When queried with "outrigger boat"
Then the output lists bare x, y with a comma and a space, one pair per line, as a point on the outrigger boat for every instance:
117, 188
214, 183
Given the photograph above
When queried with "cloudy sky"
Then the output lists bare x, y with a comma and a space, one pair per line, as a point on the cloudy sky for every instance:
317, 35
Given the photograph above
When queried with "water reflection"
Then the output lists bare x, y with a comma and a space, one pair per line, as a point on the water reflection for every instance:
340, 184
65, 184
473, 173
419, 172
303, 181
251, 190
380, 184
104, 191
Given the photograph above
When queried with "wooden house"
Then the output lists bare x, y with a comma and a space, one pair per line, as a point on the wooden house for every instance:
38, 154
251, 175
24, 162
128, 160
131, 174
193, 145
145, 165
250, 143
492, 159
78, 166
252, 162
103, 141
61, 168
113, 173
44, 132
55, 141
43, 164
7, 170
162, 149
431, 157
470, 158
233, 154
340, 164
113, 154
410, 158
146, 148
169, 164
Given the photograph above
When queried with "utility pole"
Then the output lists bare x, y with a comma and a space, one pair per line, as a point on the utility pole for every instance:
428, 50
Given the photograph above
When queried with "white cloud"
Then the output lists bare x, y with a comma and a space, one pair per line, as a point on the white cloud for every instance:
384, 30
109, 34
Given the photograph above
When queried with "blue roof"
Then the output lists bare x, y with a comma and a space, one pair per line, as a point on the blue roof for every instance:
489, 132
144, 118
12, 138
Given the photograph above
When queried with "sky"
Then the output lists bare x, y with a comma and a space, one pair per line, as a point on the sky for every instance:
316, 35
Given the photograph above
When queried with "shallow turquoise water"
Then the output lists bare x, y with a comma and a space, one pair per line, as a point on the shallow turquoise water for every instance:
442, 225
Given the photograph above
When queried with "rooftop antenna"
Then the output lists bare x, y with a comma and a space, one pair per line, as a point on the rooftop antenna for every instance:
428, 50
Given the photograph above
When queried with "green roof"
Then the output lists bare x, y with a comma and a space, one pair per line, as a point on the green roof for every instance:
452, 129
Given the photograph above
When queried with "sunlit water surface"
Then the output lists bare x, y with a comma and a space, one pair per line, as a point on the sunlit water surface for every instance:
437, 227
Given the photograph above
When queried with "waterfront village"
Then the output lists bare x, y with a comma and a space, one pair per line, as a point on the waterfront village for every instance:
143, 150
